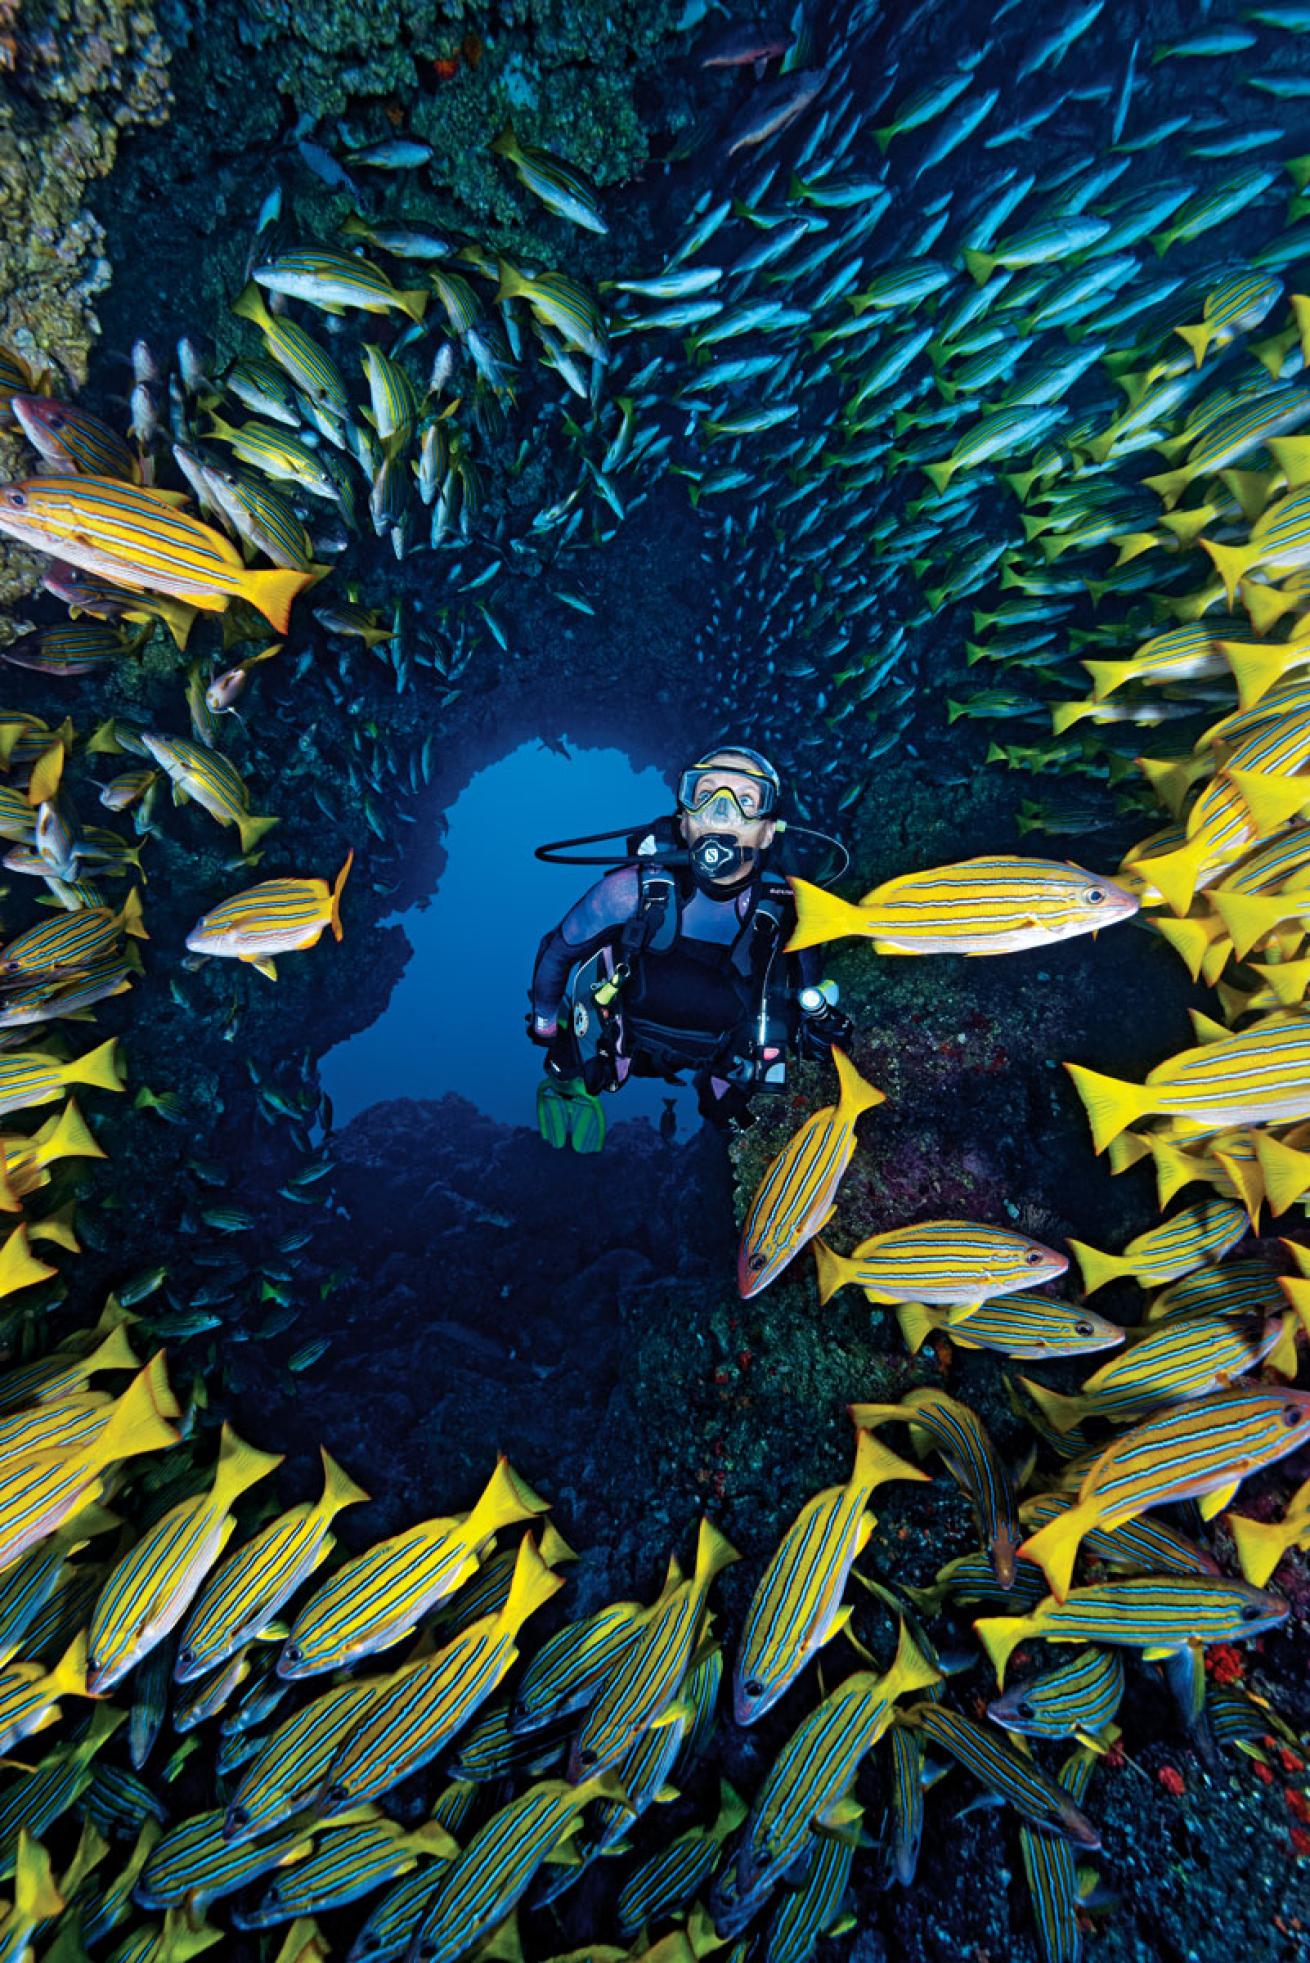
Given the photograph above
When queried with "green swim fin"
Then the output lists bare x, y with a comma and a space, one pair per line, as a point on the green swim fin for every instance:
553, 1112
588, 1129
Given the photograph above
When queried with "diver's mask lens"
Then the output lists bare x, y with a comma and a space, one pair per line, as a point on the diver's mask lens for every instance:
705, 793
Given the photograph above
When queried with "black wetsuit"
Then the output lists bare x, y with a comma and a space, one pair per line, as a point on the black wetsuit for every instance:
681, 1004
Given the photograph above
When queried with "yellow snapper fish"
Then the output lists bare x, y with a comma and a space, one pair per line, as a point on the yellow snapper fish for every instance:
981, 906
215, 783
136, 535
279, 916
153, 1585
1260, 1075
796, 1194
958, 1263
1199, 1234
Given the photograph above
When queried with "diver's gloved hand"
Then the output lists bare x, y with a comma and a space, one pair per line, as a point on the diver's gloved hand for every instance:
819, 1031
541, 1029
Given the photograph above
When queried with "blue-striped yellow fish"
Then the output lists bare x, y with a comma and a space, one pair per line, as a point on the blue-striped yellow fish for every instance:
286, 1776
1278, 543
1033, 1327
1261, 1544
69, 943
1012, 1775
244, 1595
485, 1882
981, 906
561, 187
347, 1862
1185, 1358
643, 1687
1238, 302
817, 1907
1259, 1076
279, 916
377, 1598
427, 1702
1198, 1235
30, 1077
136, 536
333, 281
216, 784
151, 1588
674, 1875
796, 1194
569, 1669
907, 1794
195, 1863
811, 1778
296, 352
1077, 1700
387, 1931
561, 302
1200, 1450
957, 1432
950, 1262
38, 1494
1050, 1864
67, 438
1140, 1546
1156, 1614
797, 1606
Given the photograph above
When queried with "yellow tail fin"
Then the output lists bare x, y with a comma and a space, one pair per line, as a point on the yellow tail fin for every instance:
68, 1677
139, 1420
916, 1325
834, 1270
99, 1067
1107, 676
19, 1267
857, 1094
1001, 1635
821, 916
531, 1585
1062, 1413
1099, 1268
1265, 604
36, 1899
69, 1137
1292, 453
339, 1489
1286, 1171
1175, 875
274, 591
1054, 1547
505, 1499
337, 886
1112, 1105
1260, 1546
1170, 485
1250, 916
1231, 562
250, 305
252, 829
910, 1669
875, 1465
1271, 796
981, 264
1257, 665
714, 1552
1197, 339
239, 1467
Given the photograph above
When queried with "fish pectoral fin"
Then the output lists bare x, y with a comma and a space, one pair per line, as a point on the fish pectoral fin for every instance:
841, 1626
679, 1712
264, 962
843, 1812
1161, 1652
1215, 1502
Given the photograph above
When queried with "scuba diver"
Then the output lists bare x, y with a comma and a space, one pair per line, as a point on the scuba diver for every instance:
674, 958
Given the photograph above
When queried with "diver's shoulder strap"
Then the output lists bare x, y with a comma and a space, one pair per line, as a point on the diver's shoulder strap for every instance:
763, 927
655, 923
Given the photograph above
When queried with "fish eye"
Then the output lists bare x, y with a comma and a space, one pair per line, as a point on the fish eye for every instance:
757, 1261
1023, 1709
1293, 1414
238, 1816
55, 422
753, 1687
293, 1652
1094, 896
18, 497
586, 1756
764, 1858
1083, 1329
336, 1793
1250, 1612
1034, 1257
186, 1654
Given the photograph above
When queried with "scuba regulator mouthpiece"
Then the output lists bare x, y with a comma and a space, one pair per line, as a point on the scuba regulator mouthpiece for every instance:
715, 856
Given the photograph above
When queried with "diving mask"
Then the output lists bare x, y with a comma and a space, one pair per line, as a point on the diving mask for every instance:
704, 793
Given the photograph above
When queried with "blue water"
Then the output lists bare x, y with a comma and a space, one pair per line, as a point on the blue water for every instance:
455, 1019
